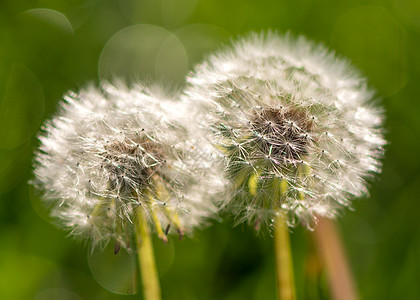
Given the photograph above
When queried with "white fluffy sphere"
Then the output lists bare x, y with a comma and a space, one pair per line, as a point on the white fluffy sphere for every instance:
299, 128
113, 150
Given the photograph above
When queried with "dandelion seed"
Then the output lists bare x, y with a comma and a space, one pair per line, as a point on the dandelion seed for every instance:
113, 150
298, 127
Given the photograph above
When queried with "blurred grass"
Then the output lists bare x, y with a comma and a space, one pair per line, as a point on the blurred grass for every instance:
48, 47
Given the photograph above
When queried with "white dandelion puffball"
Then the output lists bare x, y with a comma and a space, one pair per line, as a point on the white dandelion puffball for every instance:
113, 150
298, 127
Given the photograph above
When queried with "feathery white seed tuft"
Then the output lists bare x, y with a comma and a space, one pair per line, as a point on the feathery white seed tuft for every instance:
297, 127
114, 149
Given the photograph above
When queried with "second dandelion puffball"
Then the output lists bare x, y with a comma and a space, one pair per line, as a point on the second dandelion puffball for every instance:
298, 127
113, 151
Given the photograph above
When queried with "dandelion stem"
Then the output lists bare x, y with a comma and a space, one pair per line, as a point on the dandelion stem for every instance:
284, 264
149, 275
334, 258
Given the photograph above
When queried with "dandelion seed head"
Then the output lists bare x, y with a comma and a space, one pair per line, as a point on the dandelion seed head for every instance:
298, 127
112, 150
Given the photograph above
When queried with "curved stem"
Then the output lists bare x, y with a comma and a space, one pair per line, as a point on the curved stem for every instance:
148, 271
284, 264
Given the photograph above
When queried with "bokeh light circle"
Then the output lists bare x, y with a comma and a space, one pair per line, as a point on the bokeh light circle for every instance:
142, 52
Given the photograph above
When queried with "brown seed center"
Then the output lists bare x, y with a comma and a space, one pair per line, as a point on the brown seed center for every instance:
130, 164
282, 133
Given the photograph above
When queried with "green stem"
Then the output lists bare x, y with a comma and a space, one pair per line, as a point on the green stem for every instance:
284, 264
148, 271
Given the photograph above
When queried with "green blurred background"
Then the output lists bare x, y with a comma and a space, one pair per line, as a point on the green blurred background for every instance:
49, 46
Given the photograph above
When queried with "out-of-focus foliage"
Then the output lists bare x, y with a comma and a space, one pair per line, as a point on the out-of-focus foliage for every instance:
48, 47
